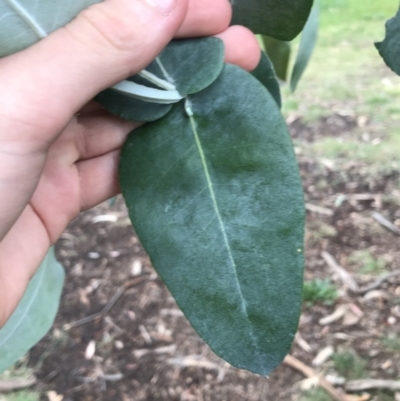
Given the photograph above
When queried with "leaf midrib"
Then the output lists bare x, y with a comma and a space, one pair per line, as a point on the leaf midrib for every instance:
21, 11
221, 223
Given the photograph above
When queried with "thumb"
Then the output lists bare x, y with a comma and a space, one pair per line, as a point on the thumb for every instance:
105, 43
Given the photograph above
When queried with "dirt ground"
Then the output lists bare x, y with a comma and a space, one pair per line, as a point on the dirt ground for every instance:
142, 348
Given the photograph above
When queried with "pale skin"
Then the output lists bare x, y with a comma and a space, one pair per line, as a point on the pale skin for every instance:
58, 149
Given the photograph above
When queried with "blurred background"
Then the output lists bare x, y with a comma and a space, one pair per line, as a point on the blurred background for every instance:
345, 123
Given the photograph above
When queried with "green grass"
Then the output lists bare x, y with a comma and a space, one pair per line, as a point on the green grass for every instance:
391, 342
367, 263
385, 396
316, 394
382, 153
346, 74
20, 396
349, 365
18, 372
319, 291
346, 66
318, 230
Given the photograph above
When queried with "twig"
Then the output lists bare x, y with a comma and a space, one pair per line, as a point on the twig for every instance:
194, 361
97, 315
109, 306
7, 386
323, 356
113, 300
197, 361
383, 221
349, 281
345, 276
108, 378
376, 284
169, 349
302, 343
335, 316
135, 281
319, 209
310, 372
369, 384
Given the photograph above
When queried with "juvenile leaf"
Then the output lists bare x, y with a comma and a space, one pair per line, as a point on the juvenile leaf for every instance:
281, 19
307, 44
130, 108
24, 22
265, 73
389, 49
279, 53
35, 313
217, 202
190, 65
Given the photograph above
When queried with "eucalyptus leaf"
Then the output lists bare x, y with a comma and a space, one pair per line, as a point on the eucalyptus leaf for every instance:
24, 22
191, 64
217, 202
279, 53
389, 49
280, 19
129, 108
188, 65
35, 313
265, 73
307, 44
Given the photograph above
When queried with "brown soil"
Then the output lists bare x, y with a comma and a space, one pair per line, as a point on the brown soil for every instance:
145, 348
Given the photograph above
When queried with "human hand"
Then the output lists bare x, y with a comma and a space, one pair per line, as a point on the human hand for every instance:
59, 151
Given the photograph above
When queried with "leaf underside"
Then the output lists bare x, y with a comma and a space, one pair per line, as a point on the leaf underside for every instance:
280, 19
217, 202
191, 65
35, 313
265, 73
24, 22
389, 48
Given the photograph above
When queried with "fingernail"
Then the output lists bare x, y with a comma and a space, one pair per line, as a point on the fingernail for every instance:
165, 6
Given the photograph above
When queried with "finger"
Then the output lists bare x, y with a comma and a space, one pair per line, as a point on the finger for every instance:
20, 255
99, 179
241, 47
99, 133
206, 18
90, 107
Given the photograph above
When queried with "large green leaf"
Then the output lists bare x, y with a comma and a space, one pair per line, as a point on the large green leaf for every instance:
35, 313
281, 19
389, 49
265, 73
189, 65
24, 22
216, 200
307, 44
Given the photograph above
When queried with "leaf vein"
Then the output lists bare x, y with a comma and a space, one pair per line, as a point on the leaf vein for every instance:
221, 223
27, 18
